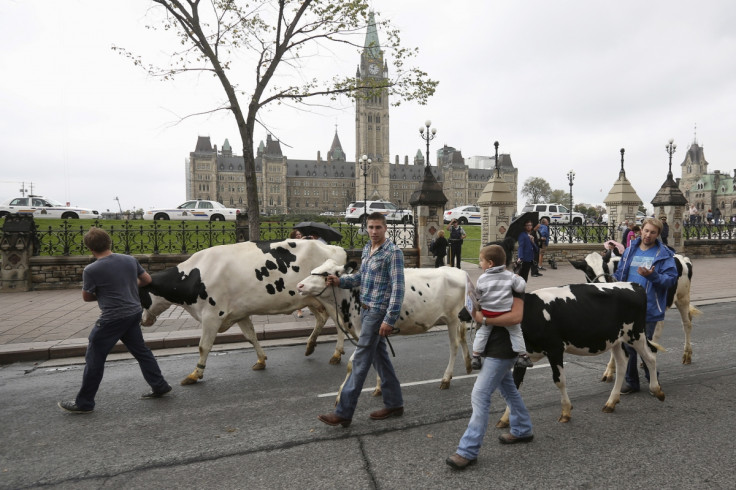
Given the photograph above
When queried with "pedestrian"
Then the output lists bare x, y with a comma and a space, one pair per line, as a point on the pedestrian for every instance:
631, 234
296, 234
693, 211
665, 230
717, 216
527, 251
381, 280
439, 249
113, 281
495, 287
651, 264
495, 373
543, 231
457, 235
709, 217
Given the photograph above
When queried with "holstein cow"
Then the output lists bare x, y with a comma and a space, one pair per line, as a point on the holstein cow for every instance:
587, 320
227, 284
432, 296
599, 269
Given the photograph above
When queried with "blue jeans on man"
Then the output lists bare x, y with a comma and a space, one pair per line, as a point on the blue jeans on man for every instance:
371, 350
632, 368
495, 373
102, 339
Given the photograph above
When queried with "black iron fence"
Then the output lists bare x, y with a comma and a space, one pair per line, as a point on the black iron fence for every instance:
586, 233
181, 237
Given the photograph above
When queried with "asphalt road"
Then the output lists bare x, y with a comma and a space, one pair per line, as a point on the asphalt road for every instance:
240, 428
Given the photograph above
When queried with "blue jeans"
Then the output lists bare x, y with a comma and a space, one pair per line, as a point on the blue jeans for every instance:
102, 339
495, 373
371, 350
632, 370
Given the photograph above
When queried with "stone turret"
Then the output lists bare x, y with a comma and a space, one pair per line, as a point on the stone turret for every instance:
622, 201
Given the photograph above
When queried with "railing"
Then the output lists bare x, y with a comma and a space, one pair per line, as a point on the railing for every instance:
181, 237
585, 233
705, 231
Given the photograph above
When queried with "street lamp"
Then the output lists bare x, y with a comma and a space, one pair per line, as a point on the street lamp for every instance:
670, 148
429, 137
570, 179
365, 164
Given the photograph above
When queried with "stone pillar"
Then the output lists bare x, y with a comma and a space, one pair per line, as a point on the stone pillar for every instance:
497, 207
622, 201
428, 203
18, 244
669, 201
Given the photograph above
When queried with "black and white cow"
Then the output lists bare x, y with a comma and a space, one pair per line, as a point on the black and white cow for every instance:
432, 297
227, 284
587, 320
599, 269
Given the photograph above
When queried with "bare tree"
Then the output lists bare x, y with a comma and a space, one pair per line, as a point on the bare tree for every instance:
276, 36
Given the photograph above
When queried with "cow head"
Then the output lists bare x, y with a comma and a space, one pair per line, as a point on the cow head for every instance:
314, 285
596, 269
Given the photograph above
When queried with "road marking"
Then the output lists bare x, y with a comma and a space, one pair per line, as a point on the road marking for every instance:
424, 382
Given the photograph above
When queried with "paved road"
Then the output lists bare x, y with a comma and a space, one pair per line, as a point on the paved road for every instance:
238, 428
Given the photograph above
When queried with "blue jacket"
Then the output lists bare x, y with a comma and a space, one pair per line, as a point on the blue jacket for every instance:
527, 249
663, 278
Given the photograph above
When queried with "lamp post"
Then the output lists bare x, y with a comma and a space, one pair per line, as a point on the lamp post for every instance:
428, 137
670, 148
365, 164
570, 179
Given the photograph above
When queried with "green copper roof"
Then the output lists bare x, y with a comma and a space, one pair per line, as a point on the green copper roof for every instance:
226, 145
372, 46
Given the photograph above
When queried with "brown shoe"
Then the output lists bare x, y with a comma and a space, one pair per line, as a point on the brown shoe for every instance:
509, 438
334, 420
457, 462
385, 413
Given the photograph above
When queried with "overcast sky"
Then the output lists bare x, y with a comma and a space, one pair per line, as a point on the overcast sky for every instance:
561, 85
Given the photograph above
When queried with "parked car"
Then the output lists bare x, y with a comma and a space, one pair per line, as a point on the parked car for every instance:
194, 210
42, 207
327, 213
356, 213
555, 213
464, 215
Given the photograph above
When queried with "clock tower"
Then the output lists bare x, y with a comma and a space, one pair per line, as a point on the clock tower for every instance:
372, 120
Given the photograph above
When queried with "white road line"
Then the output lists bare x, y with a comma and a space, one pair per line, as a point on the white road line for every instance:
424, 382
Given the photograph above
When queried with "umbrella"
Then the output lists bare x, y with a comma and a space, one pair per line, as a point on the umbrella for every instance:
517, 226
322, 230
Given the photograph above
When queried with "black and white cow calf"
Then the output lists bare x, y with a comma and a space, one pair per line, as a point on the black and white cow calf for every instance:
227, 284
432, 297
587, 320
598, 269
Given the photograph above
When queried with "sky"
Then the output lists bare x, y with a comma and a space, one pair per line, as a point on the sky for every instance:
561, 85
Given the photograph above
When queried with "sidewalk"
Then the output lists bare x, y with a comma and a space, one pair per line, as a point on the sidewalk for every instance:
42, 325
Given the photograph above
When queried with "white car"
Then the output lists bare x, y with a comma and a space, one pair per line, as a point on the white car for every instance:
355, 212
194, 210
465, 215
41, 207
555, 213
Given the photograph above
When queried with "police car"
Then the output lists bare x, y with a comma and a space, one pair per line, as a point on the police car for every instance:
555, 213
464, 215
194, 210
41, 207
356, 213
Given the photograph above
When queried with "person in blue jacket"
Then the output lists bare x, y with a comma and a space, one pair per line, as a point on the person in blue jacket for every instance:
527, 250
650, 263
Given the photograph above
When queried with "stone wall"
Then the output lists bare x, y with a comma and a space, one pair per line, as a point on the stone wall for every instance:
697, 249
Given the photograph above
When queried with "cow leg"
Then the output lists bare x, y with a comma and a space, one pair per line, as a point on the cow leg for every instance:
619, 356
558, 371
320, 317
610, 371
209, 332
347, 375
519, 373
648, 352
453, 327
377, 391
686, 314
246, 326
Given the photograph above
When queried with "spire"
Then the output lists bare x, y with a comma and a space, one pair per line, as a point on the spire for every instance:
372, 47
335, 153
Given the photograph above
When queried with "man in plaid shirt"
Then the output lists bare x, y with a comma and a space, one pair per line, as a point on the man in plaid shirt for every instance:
381, 280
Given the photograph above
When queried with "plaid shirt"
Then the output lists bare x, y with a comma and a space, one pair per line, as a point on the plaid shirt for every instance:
381, 280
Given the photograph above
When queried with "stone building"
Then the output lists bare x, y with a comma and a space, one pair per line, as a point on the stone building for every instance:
707, 190
329, 184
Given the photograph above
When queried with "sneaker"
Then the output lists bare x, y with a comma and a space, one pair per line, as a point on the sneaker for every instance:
156, 394
71, 406
542, 269
537, 275
477, 363
628, 389
523, 361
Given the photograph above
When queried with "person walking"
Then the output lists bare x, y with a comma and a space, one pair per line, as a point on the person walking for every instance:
113, 280
543, 232
381, 280
527, 251
649, 263
495, 373
457, 235
665, 230
439, 248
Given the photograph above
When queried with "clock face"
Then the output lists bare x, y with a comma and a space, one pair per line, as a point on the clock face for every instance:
373, 69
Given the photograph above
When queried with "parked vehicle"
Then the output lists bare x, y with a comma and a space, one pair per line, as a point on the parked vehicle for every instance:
464, 215
555, 213
41, 207
194, 210
356, 213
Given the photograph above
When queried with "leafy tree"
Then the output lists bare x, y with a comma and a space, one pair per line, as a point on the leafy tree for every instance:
536, 189
257, 49
560, 197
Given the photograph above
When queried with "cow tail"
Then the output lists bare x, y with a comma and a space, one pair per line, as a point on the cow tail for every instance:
655, 347
693, 311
